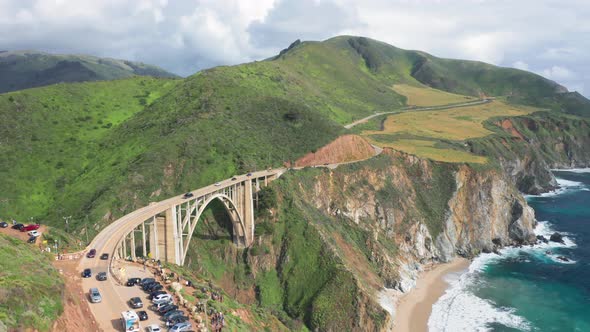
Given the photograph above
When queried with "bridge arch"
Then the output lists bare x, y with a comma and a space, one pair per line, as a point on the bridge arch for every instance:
239, 227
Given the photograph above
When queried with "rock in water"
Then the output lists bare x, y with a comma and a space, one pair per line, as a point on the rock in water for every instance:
556, 237
563, 258
541, 238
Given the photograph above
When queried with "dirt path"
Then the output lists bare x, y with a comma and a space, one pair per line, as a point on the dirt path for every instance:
416, 109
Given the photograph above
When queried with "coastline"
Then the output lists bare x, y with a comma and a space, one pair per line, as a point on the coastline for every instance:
414, 308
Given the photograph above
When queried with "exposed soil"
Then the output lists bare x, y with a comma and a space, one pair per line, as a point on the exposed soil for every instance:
343, 149
507, 125
76, 316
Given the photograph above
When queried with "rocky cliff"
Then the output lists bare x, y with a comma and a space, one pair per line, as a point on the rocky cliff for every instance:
528, 147
328, 241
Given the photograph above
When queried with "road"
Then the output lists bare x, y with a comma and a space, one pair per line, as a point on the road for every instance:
417, 109
114, 296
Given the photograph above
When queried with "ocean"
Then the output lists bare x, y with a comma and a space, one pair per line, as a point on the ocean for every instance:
529, 289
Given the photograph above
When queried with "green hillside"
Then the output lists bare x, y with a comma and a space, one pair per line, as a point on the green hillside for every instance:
31, 288
27, 69
99, 150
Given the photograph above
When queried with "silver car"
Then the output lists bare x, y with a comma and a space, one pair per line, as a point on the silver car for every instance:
95, 295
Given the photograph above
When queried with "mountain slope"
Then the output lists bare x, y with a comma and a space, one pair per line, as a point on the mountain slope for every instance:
99, 150
27, 69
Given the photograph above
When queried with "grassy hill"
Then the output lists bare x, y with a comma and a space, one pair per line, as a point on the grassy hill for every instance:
27, 69
98, 150
31, 288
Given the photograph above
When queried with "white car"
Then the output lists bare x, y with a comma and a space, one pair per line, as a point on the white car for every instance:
218, 184
34, 233
162, 298
154, 328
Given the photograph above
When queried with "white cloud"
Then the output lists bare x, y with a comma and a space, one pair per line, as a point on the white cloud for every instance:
521, 65
558, 73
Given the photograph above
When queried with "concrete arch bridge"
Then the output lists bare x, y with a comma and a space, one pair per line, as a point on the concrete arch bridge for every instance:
163, 230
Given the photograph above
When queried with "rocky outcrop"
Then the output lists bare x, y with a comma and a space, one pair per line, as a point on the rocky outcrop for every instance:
535, 144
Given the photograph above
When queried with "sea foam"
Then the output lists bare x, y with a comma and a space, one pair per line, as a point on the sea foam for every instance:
459, 309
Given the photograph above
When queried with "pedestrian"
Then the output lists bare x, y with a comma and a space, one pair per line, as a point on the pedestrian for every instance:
13, 222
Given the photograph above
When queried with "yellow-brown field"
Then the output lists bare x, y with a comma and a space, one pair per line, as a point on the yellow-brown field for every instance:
456, 124
425, 96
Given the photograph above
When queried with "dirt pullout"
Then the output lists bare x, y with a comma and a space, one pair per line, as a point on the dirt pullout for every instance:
343, 149
76, 316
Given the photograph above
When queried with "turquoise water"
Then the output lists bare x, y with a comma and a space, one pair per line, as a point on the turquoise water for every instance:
530, 289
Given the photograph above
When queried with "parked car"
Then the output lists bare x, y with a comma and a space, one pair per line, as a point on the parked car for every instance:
101, 276
3, 224
31, 227
167, 308
147, 285
218, 184
135, 302
172, 313
249, 174
187, 195
175, 320
17, 226
104, 256
155, 287
95, 295
151, 287
91, 253
234, 178
133, 281
146, 280
32, 239
155, 293
181, 327
142, 315
86, 273
162, 298
154, 328
161, 304
34, 233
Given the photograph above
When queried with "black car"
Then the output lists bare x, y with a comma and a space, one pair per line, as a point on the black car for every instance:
146, 280
172, 313
86, 273
167, 308
155, 293
3, 224
17, 226
175, 320
101, 276
133, 281
156, 287
135, 302
187, 195
32, 239
142, 315
104, 256
147, 285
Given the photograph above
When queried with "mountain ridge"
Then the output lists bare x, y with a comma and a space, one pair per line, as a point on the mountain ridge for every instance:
23, 69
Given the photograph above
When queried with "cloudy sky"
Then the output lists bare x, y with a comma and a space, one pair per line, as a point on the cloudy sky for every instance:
549, 37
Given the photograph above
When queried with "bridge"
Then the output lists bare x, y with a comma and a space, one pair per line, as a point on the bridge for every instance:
163, 230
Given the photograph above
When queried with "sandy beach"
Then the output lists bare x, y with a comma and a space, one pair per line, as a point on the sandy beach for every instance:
414, 308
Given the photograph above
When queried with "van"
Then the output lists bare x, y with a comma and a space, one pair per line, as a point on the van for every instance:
162, 298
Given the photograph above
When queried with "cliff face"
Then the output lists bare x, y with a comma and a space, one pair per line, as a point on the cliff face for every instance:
327, 241
528, 147
419, 212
